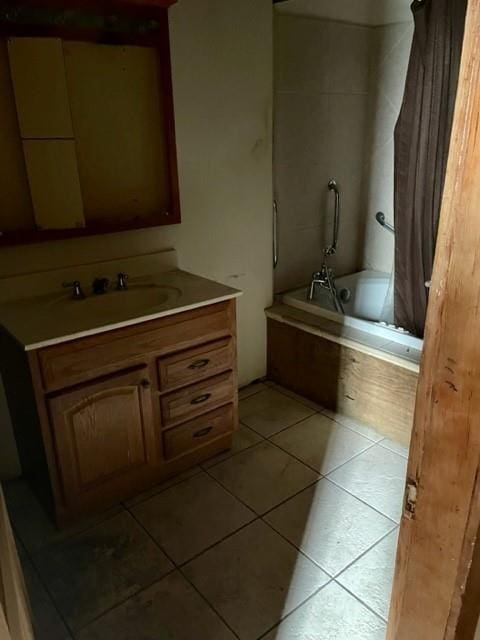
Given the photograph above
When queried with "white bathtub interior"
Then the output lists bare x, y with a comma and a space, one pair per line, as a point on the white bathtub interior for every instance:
365, 294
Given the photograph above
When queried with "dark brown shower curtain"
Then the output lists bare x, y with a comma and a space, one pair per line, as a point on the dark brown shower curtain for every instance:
422, 137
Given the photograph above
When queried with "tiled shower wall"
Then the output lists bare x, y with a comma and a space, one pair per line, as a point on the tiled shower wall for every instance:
338, 89
390, 53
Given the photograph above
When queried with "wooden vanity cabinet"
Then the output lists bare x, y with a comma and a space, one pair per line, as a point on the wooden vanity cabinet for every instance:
101, 418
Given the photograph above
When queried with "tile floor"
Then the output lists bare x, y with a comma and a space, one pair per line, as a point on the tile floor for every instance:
289, 536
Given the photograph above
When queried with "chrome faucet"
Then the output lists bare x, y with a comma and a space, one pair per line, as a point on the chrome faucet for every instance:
77, 293
325, 278
122, 281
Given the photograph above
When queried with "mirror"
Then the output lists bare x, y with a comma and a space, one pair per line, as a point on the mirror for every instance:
88, 143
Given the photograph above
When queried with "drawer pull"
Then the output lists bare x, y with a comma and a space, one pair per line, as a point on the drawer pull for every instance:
199, 364
199, 399
145, 383
202, 432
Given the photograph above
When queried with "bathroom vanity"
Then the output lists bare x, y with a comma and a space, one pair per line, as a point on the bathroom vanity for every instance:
108, 399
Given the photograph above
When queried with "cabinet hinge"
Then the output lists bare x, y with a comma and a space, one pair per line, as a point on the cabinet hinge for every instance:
410, 499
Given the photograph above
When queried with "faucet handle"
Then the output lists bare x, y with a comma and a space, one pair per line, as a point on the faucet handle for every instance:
77, 293
122, 281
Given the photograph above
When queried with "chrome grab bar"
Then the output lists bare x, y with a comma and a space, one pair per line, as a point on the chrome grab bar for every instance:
332, 249
380, 217
275, 234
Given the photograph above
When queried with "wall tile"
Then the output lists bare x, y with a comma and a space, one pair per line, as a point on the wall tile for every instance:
390, 55
336, 108
301, 194
301, 55
349, 54
300, 126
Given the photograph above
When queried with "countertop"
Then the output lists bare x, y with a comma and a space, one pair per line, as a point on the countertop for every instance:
45, 320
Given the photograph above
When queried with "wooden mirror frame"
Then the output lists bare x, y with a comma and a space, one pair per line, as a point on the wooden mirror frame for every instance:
160, 40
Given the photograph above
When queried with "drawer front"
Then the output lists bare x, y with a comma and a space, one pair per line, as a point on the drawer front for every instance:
84, 359
197, 432
196, 399
196, 364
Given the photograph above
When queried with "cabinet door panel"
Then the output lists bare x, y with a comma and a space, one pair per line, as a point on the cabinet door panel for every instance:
105, 436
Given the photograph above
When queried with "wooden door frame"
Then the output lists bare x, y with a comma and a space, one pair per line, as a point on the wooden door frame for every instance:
437, 578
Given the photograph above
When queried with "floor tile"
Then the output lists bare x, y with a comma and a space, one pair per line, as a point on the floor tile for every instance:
95, 570
371, 577
46, 621
243, 438
191, 516
269, 412
355, 425
332, 614
329, 525
263, 476
377, 476
158, 488
254, 578
169, 610
251, 389
396, 447
321, 443
33, 525
295, 396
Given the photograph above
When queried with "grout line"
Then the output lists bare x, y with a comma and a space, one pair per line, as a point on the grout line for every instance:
346, 426
384, 446
124, 601
178, 481
182, 565
310, 597
102, 518
48, 593
305, 464
296, 397
231, 453
144, 588
294, 495
375, 544
354, 457
324, 475
254, 393
300, 551
363, 501
208, 603
294, 424
377, 615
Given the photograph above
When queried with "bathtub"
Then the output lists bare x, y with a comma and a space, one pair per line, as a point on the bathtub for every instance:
363, 297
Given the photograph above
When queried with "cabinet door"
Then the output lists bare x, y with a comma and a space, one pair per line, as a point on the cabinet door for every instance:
105, 439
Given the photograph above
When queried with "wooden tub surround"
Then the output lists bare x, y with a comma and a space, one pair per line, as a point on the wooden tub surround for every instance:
366, 386
101, 418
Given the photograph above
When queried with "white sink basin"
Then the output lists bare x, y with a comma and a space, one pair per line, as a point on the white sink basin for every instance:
136, 300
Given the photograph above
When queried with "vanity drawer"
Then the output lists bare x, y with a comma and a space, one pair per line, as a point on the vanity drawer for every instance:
79, 360
196, 364
197, 432
196, 399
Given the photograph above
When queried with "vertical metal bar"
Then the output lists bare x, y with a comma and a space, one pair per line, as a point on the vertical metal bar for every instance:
275, 234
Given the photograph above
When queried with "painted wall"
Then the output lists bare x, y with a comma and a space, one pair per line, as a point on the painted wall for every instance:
222, 73
389, 61
321, 132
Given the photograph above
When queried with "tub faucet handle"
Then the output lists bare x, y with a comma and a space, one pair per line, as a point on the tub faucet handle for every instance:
77, 293
122, 281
